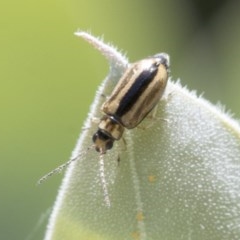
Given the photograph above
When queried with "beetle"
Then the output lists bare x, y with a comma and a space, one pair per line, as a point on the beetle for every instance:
135, 95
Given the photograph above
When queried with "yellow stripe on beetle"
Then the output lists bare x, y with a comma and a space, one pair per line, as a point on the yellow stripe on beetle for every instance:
135, 95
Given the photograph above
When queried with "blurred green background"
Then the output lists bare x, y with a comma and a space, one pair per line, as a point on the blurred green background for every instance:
49, 77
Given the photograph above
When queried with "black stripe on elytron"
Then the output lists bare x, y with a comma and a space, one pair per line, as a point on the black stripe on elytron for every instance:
135, 91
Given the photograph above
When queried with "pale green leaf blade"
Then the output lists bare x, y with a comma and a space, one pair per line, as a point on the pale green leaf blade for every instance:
178, 175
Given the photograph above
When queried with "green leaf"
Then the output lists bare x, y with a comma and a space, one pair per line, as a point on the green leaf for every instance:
176, 176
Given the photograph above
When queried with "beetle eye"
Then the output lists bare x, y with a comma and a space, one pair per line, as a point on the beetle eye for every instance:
109, 144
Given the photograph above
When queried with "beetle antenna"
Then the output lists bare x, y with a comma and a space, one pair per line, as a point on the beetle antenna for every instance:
61, 167
103, 181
